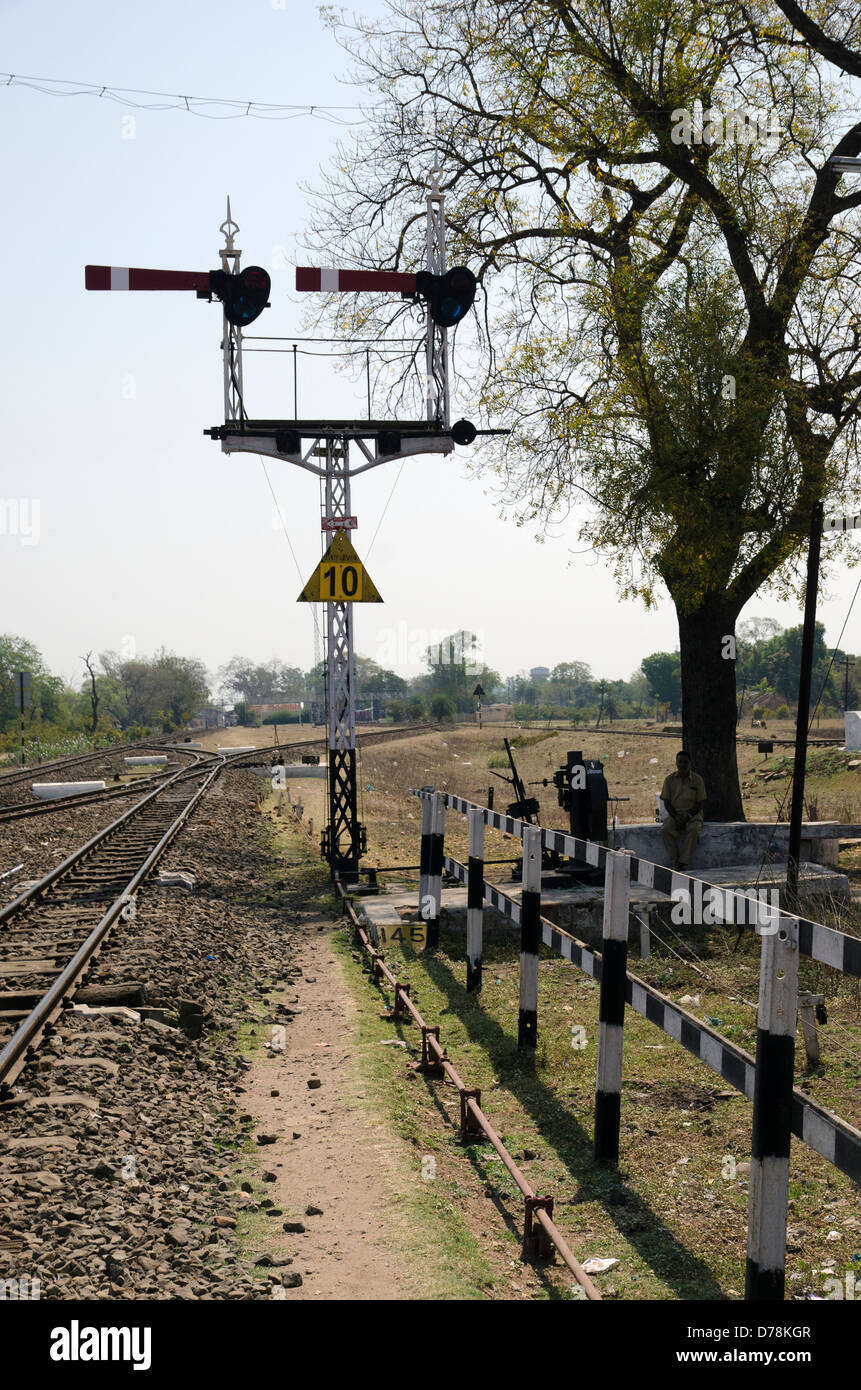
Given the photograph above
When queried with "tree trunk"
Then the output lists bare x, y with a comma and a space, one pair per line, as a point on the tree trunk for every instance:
709, 707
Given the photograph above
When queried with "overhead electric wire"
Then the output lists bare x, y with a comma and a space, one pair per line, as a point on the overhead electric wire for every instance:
287, 537
175, 101
385, 508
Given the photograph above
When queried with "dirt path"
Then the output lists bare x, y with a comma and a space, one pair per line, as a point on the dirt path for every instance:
329, 1153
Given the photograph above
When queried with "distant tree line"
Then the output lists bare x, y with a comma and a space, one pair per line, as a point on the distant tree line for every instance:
128, 696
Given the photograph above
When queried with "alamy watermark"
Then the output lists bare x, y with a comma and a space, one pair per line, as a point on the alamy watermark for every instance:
22, 1286
849, 1287
401, 645
21, 517
742, 126
760, 909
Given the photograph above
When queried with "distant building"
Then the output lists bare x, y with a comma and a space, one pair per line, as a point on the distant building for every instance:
496, 714
539, 673
210, 717
263, 710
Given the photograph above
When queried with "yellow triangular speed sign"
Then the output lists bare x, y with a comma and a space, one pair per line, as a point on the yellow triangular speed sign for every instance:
340, 577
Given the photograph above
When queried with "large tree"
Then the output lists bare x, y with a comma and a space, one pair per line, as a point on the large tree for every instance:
663, 672
266, 682
17, 654
165, 689
677, 335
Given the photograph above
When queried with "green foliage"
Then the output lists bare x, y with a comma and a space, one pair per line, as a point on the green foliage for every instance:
663, 672
163, 691
49, 701
770, 657
262, 683
283, 716
443, 709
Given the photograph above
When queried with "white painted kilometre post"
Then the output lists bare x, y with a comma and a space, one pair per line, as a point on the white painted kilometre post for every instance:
475, 899
776, 1023
530, 937
611, 1010
645, 938
424, 854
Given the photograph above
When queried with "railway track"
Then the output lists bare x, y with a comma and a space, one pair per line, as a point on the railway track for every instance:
614, 729
11, 777
24, 810
322, 744
51, 933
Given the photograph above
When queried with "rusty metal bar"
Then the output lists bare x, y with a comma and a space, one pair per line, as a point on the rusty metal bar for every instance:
537, 1210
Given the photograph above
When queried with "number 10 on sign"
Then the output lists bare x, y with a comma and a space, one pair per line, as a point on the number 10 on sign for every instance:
342, 583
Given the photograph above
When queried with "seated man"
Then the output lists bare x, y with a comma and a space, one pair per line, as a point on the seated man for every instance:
684, 795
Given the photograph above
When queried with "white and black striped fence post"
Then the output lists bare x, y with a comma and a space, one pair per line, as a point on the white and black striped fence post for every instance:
424, 854
611, 1011
475, 899
776, 1023
530, 937
436, 853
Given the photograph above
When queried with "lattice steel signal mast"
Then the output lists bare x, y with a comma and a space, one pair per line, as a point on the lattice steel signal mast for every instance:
244, 294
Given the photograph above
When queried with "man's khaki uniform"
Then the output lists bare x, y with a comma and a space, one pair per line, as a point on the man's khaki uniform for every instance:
681, 794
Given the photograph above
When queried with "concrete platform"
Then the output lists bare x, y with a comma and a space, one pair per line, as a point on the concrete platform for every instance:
580, 910
725, 844
291, 771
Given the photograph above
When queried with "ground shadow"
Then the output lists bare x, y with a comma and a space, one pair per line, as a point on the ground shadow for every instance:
643, 1228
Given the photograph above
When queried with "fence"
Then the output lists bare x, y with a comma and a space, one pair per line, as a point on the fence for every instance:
779, 1108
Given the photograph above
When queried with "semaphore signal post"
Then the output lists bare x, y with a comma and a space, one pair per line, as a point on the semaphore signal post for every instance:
336, 450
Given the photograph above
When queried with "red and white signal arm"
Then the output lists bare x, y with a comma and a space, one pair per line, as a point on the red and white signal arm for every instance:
339, 523
329, 281
118, 277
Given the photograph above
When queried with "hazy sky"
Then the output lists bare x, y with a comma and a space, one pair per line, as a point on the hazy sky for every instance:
135, 530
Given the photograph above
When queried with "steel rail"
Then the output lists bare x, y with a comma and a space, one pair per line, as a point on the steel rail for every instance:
473, 1118
13, 1055
322, 743
77, 855
22, 810
18, 774
536, 727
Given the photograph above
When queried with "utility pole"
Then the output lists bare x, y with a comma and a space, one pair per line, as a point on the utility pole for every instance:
845, 662
22, 702
804, 682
